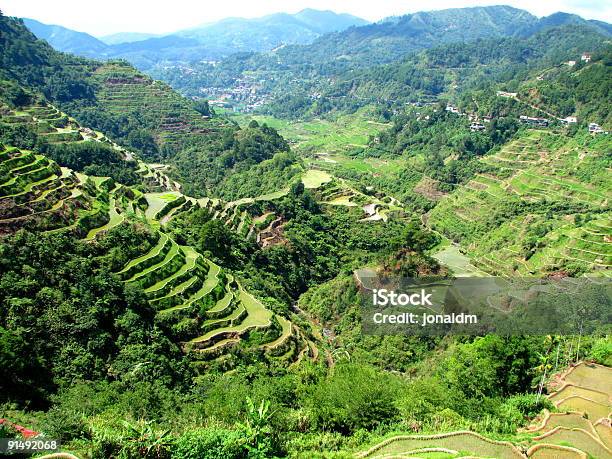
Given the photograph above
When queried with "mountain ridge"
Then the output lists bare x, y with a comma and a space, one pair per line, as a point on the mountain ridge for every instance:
208, 41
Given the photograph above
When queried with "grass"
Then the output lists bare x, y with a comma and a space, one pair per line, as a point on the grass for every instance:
460, 264
191, 257
554, 452
313, 178
223, 304
571, 390
344, 133
605, 434
173, 252
576, 438
569, 420
284, 336
161, 242
594, 410
209, 284
115, 219
536, 168
593, 377
257, 316
342, 201
157, 201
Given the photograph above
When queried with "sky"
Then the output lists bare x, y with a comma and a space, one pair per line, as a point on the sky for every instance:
155, 16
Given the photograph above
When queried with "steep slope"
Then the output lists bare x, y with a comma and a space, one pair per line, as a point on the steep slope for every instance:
564, 435
391, 39
199, 303
540, 207
67, 40
134, 110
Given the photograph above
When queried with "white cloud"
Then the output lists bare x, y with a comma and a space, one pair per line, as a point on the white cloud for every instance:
110, 16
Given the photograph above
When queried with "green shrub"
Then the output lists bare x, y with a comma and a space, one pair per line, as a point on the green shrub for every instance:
601, 351
353, 397
209, 443
516, 410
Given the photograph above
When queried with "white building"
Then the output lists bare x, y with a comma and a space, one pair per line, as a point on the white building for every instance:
595, 128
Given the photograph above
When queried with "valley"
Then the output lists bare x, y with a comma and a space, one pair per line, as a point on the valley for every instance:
181, 280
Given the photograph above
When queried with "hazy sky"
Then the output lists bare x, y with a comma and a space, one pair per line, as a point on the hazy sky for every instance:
155, 16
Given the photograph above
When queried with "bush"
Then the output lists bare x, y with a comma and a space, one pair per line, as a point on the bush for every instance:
601, 352
423, 398
516, 410
209, 443
353, 397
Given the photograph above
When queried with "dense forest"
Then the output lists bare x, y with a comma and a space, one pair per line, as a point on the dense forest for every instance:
177, 281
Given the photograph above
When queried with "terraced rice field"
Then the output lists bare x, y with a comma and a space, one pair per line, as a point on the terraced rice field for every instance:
35, 193
257, 317
338, 192
582, 423
457, 442
460, 264
123, 90
577, 438
559, 435
555, 452
181, 285
495, 215
157, 201
343, 134
314, 178
115, 218
185, 288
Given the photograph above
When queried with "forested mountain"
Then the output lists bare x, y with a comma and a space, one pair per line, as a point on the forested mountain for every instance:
126, 37
207, 42
345, 68
179, 281
393, 38
446, 70
63, 39
138, 112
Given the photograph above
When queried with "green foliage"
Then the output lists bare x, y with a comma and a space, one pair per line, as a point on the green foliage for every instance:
209, 443
94, 158
234, 165
258, 429
76, 316
353, 397
601, 351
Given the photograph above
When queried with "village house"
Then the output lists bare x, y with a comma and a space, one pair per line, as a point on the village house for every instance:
477, 127
569, 120
450, 108
595, 128
534, 121
586, 57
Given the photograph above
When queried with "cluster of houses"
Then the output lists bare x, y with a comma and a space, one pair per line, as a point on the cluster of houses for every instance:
586, 58
247, 92
476, 122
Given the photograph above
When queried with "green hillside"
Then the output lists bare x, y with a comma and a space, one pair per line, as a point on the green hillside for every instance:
551, 199
181, 281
